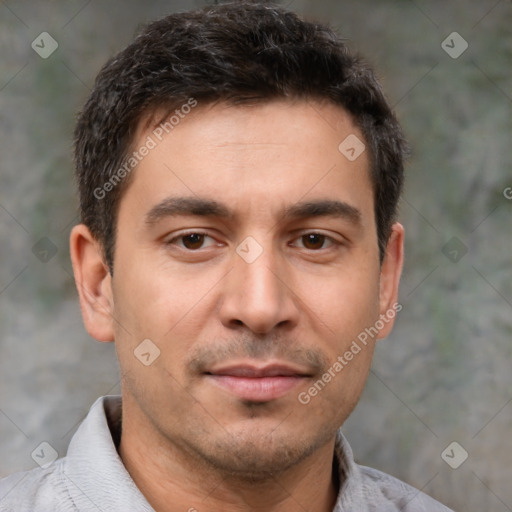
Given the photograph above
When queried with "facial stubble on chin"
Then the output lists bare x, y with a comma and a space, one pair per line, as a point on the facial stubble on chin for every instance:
250, 456
257, 457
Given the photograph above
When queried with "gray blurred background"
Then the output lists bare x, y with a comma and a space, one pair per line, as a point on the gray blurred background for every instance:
444, 374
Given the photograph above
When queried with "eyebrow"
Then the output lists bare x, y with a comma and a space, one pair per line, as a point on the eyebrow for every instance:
174, 206
201, 207
324, 208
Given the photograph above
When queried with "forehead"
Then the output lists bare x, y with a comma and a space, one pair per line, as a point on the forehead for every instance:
248, 156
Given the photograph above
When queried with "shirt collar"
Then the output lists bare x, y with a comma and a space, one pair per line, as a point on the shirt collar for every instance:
93, 466
350, 493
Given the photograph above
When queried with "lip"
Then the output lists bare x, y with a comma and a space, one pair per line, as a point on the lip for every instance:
257, 383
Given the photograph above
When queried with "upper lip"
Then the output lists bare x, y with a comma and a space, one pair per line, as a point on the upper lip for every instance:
254, 371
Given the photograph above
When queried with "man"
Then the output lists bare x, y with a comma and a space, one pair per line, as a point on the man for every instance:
239, 171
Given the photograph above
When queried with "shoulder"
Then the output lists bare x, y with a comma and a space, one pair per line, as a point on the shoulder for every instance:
37, 490
369, 490
381, 488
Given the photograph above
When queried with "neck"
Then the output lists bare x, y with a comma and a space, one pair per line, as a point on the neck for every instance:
174, 480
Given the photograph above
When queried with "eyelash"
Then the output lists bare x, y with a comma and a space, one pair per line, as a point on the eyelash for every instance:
183, 235
331, 241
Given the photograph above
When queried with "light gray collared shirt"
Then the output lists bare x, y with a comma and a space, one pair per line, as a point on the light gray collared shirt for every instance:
92, 477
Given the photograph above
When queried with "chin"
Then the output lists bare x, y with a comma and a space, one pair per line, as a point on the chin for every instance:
258, 454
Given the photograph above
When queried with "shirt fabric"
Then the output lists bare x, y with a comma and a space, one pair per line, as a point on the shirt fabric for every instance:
92, 477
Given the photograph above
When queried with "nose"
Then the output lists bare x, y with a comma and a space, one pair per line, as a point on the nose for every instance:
259, 295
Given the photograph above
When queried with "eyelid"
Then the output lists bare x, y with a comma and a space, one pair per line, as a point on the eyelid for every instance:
177, 236
333, 240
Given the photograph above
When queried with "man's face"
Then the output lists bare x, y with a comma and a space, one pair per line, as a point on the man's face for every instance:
246, 251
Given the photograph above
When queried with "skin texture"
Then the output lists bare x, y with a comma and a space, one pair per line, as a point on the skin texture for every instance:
187, 441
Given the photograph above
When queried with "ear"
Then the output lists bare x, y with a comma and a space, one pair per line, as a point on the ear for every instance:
391, 270
94, 283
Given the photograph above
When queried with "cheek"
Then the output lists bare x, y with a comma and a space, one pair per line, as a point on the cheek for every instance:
344, 303
342, 308
163, 305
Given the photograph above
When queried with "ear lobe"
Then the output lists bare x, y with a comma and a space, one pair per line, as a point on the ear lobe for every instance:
93, 282
391, 270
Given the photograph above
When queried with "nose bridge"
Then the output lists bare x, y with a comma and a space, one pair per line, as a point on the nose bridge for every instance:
256, 295
259, 277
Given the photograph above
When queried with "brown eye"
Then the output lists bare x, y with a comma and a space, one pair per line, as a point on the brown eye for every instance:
313, 241
193, 241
